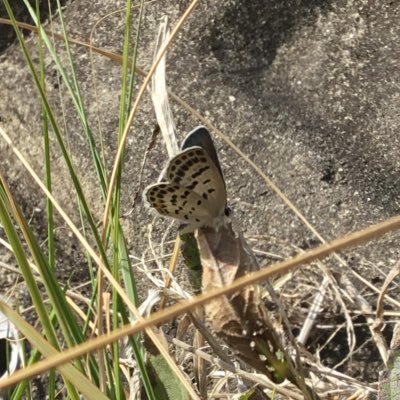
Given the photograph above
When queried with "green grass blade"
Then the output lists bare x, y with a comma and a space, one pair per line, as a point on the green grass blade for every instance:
79, 381
20, 255
49, 205
57, 132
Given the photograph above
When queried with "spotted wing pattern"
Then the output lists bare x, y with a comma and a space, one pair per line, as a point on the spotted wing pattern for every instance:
193, 169
194, 190
173, 200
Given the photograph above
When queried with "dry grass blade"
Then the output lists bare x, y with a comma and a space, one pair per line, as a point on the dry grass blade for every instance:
380, 303
159, 93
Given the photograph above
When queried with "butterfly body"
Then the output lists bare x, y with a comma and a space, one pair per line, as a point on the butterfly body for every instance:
193, 190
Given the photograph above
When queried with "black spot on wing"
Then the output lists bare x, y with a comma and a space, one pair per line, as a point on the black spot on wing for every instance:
200, 171
193, 185
174, 200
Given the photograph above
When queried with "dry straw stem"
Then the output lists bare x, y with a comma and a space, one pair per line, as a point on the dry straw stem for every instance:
308, 323
172, 266
159, 93
395, 271
165, 121
380, 304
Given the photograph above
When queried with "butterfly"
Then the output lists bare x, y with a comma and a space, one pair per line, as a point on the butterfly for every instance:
193, 189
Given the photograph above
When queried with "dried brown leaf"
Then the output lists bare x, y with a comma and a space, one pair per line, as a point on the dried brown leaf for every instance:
239, 318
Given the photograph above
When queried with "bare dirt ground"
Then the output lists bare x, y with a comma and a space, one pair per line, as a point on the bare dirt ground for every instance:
309, 90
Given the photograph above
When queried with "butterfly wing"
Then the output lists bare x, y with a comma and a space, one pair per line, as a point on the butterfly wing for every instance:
201, 137
193, 189
194, 170
176, 201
